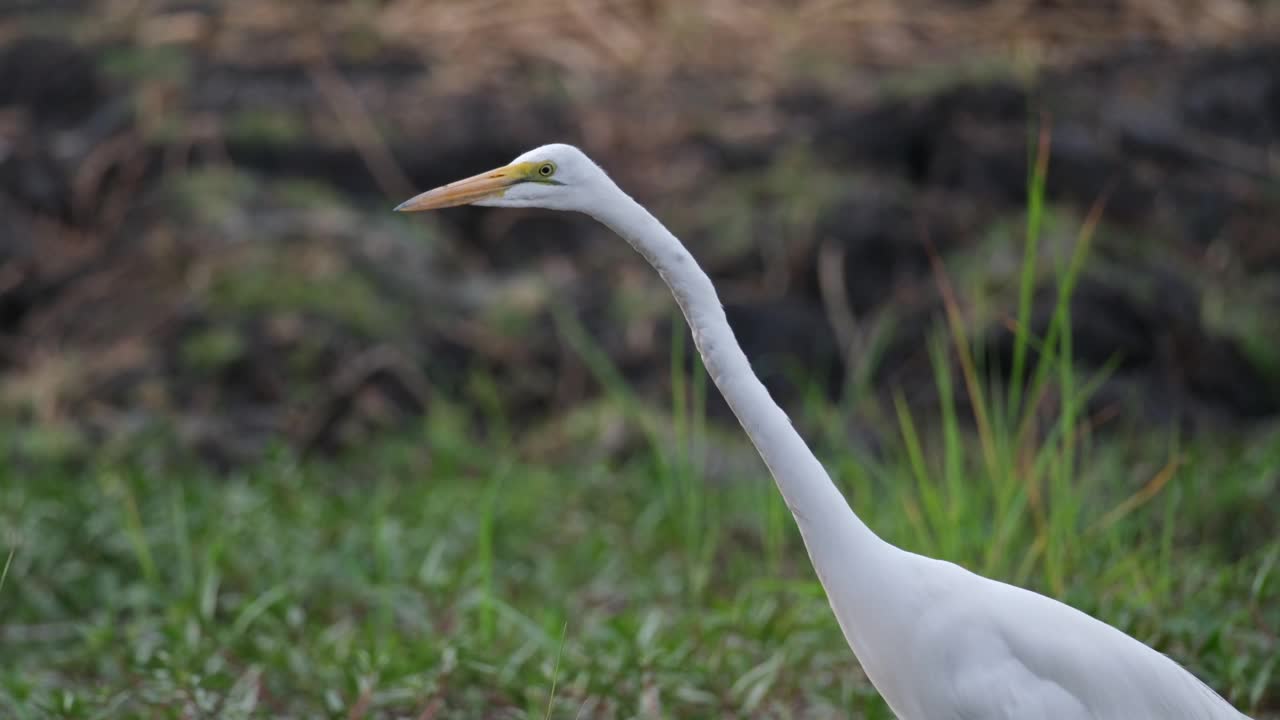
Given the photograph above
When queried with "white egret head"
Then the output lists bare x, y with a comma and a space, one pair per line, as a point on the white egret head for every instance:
556, 177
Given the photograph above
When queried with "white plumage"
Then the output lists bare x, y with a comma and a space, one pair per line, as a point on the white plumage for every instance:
938, 642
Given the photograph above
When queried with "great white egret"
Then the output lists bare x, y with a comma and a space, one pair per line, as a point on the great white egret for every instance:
937, 641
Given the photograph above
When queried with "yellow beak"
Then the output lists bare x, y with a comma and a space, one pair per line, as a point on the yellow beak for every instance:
464, 192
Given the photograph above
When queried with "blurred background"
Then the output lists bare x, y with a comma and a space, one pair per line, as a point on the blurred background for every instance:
195, 200
198, 262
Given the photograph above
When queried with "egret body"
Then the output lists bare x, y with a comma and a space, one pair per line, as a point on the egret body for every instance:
937, 641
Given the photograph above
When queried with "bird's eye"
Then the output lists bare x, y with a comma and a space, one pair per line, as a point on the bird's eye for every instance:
546, 169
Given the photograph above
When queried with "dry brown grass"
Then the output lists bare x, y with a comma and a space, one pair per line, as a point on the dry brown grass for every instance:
656, 38
760, 43
764, 40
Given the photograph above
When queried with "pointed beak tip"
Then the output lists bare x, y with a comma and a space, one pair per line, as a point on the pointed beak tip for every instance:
462, 192
413, 204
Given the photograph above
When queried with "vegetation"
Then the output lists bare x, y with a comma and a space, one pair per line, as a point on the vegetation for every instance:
444, 575
440, 576
206, 192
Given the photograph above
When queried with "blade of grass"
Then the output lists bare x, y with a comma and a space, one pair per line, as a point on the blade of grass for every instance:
555, 671
256, 608
182, 538
916, 461
952, 448
679, 396
960, 338
4, 574
1144, 495
1052, 343
113, 484
1036, 177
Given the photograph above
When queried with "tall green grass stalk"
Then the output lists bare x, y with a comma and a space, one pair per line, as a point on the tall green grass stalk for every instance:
1037, 174
8, 561
688, 410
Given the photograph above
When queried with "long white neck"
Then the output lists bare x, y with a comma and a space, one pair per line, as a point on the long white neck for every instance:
845, 553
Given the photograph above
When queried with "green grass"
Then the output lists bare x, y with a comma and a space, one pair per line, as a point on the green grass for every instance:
435, 574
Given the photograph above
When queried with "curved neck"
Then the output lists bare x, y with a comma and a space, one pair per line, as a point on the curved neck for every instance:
834, 536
